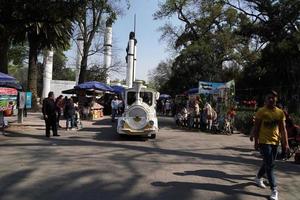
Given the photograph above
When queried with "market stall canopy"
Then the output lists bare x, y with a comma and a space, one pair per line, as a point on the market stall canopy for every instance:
118, 89
6, 77
86, 91
70, 91
193, 91
164, 96
9, 81
94, 85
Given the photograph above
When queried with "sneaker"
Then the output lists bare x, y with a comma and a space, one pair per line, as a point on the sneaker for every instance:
260, 182
274, 195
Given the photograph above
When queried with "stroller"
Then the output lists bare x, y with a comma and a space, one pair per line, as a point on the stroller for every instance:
222, 125
293, 132
181, 118
77, 121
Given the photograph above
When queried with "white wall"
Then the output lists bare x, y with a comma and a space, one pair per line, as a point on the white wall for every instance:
57, 86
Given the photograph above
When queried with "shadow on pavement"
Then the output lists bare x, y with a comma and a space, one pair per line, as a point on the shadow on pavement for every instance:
233, 190
217, 174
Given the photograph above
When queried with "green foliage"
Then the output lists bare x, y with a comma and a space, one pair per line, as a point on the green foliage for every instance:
244, 121
276, 26
96, 73
257, 45
206, 42
60, 71
160, 75
296, 118
17, 54
91, 24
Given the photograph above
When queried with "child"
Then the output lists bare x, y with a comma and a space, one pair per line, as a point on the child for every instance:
77, 118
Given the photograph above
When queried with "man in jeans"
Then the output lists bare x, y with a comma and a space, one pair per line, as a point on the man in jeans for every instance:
268, 130
114, 108
49, 113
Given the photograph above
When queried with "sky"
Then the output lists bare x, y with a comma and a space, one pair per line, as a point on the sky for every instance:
150, 50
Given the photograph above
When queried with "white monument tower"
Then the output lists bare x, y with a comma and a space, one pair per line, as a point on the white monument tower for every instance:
108, 48
130, 59
47, 76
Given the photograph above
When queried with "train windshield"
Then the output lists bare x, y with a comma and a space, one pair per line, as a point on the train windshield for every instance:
146, 96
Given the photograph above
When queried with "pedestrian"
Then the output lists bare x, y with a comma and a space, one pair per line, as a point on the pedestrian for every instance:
59, 105
69, 114
208, 110
49, 113
167, 107
196, 114
114, 108
120, 107
269, 130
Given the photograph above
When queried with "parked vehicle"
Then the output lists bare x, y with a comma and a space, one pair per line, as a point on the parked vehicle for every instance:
139, 117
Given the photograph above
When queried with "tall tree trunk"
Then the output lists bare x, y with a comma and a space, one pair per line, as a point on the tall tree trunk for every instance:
4, 46
32, 72
83, 68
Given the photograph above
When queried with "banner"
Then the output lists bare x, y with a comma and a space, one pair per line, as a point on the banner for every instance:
28, 100
209, 87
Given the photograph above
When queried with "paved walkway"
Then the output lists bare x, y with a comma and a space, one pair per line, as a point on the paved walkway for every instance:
94, 163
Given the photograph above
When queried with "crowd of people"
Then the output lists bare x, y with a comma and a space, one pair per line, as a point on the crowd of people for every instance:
268, 132
117, 107
195, 115
53, 109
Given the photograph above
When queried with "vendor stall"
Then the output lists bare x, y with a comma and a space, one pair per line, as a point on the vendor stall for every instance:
9, 87
88, 94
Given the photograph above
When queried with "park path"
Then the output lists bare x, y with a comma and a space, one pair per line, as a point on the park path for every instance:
94, 163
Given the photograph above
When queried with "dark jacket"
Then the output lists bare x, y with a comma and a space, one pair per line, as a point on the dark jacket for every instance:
49, 108
69, 109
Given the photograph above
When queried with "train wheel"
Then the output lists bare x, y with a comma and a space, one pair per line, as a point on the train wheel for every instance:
153, 136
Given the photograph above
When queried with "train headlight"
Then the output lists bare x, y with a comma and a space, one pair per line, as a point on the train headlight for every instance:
151, 123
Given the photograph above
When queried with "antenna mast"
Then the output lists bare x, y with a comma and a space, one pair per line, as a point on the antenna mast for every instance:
134, 25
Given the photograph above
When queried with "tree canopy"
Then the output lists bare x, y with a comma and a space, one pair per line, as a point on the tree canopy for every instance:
256, 43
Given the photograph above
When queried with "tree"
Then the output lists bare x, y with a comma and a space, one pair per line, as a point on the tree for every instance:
7, 30
44, 24
17, 56
60, 71
205, 43
160, 75
90, 24
276, 25
100, 73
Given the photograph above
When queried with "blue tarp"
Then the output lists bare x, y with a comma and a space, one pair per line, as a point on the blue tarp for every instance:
118, 89
94, 85
164, 96
9, 81
193, 91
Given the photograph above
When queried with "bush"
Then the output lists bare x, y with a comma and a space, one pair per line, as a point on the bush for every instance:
296, 118
244, 121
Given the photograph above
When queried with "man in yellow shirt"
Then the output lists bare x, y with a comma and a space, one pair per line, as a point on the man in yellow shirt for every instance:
269, 131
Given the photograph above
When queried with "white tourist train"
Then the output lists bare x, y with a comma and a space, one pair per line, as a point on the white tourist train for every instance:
139, 117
